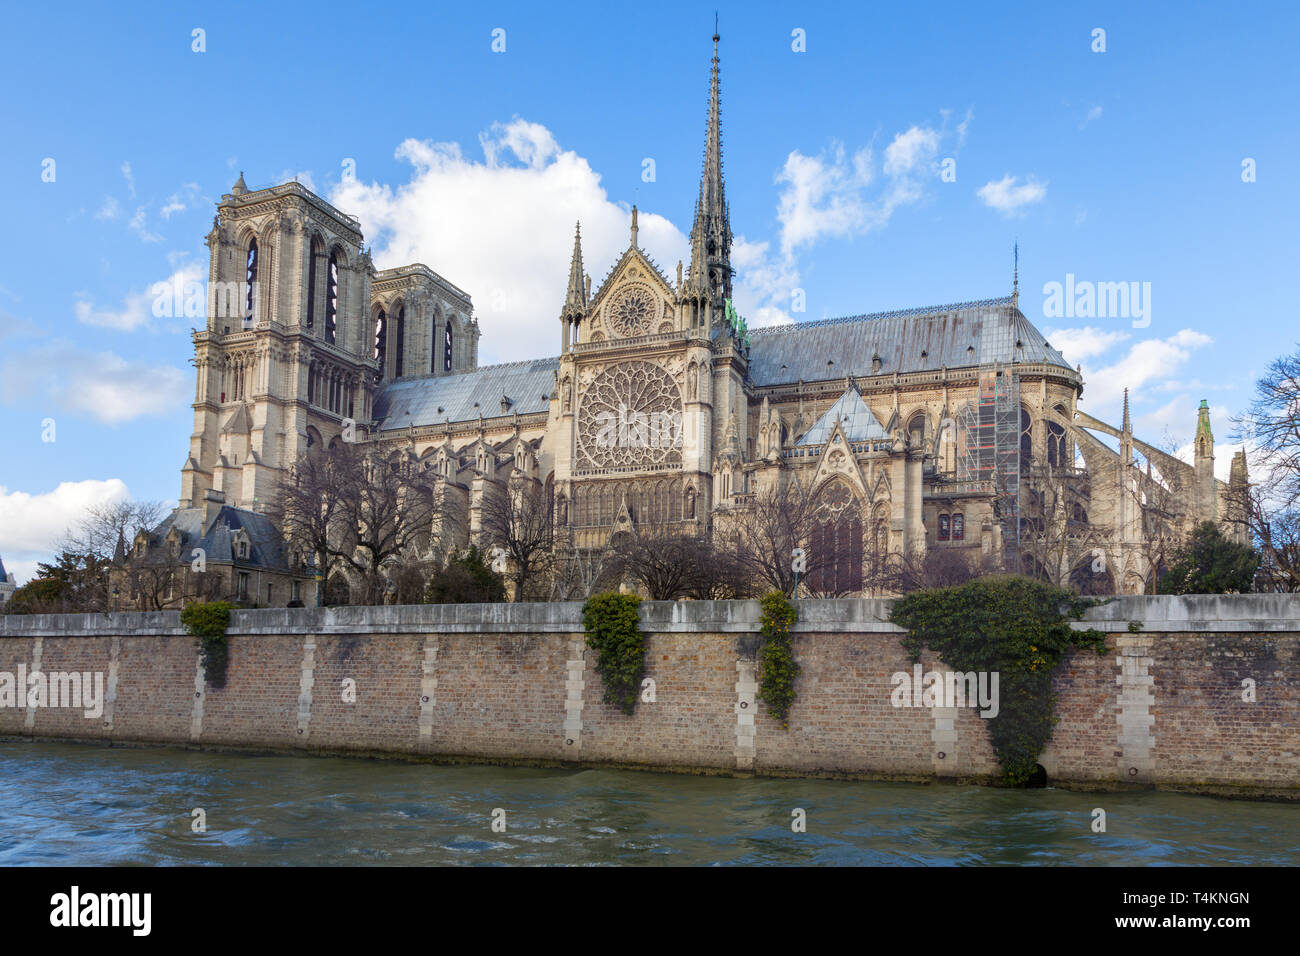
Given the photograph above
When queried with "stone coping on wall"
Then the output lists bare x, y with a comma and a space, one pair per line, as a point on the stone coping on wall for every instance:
1210, 613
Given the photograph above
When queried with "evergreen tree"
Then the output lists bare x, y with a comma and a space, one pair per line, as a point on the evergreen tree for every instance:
1208, 563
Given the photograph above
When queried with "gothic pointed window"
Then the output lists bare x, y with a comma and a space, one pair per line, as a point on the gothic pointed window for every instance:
1056, 452
1055, 444
446, 348
311, 286
381, 340
916, 430
399, 347
332, 299
958, 526
1026, 439
837, 542
250, 283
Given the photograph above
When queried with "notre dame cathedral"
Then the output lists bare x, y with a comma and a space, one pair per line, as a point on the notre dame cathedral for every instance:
944, 427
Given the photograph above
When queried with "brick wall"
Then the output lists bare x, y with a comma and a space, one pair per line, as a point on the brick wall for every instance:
1163, 707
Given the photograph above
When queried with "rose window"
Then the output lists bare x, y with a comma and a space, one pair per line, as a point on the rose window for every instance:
632, 312
631, 417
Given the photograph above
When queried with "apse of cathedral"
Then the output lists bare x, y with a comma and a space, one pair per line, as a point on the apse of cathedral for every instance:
951, 427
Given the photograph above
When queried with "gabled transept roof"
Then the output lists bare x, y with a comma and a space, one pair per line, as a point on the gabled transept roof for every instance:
853, 416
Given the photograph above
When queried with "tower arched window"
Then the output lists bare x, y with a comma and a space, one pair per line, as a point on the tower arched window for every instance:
446, 348
332, 299
250, 283
313, 255
399, 346
381, 340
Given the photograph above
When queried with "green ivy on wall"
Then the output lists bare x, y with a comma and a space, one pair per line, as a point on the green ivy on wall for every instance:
777, 668
1015, 627
614, 632
208, 622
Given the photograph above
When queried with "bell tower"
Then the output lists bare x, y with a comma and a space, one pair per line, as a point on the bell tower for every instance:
284, 359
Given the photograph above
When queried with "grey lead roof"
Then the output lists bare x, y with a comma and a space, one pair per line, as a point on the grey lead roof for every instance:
432, 400
956, 336
853, 416
964, 334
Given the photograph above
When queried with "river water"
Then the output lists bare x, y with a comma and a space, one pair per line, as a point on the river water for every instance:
70, 804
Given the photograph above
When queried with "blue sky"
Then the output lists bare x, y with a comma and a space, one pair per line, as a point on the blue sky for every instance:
1115, 166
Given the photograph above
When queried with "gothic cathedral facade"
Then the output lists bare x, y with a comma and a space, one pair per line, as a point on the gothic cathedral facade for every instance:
952, 427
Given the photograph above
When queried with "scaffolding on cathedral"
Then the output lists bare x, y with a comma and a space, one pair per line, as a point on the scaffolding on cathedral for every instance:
989, 441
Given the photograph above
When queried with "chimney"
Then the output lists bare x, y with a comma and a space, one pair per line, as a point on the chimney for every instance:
213, 501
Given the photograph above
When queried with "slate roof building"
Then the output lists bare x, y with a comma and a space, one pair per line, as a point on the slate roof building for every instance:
8, 584
941, 429
212, 551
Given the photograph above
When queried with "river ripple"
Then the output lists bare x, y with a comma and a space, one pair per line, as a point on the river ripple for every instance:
69, 804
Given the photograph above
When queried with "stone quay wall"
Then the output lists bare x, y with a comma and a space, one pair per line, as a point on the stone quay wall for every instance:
1169, 705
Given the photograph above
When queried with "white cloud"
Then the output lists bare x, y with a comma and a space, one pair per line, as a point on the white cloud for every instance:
1007, 197
111, 209
1145, 367
910, 149
129, 177
827, 195
765, 283
502, 229
1079, 344
101, 385
13, 327
181, 200
31, 525
137, 307
139, 225
1093, 114
135, 312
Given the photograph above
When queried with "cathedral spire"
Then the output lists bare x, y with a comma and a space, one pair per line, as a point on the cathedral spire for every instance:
710, 273
1128, 427
1015, 276
576, 294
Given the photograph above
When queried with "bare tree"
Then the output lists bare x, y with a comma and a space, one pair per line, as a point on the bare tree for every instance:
517, 517
1271, 426
937, 568
98, 531
578, 573
665, 561
777, 520
1275, 532
359, 513
1055, 540
1164, 499
1270, 507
